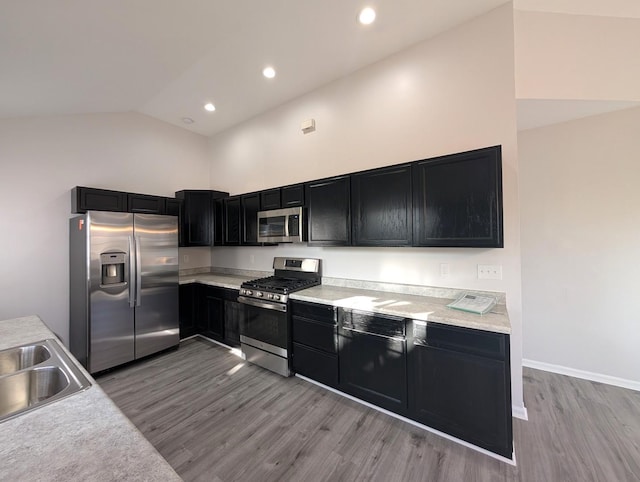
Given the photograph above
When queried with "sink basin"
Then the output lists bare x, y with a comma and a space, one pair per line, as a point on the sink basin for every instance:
27, 388
34, 375
15, 359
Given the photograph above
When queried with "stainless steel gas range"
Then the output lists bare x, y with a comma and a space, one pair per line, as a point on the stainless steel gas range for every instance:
265, 331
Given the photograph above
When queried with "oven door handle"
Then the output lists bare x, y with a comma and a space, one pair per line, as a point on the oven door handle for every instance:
263, 304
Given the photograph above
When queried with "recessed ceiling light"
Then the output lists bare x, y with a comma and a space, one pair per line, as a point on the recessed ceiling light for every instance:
269, 72
188, 120
210, 107
367, 16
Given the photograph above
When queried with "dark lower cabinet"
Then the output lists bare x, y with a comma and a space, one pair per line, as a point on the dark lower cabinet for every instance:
460, 384
210, 311
233, 314
210, 321
315, 341
187, 310
373, 359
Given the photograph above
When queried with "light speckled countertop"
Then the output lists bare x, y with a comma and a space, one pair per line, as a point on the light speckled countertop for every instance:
81, 437
403, 301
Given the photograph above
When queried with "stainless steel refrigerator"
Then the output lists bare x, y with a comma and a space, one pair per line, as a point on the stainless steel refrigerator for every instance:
123, 287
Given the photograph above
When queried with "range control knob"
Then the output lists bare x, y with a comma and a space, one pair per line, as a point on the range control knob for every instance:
270, 296
248, 292
276, 297
259, 294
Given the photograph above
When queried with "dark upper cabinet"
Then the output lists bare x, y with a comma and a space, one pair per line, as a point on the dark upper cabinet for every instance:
292, 196
218, 222
381, 207
328, 211
85, 199
460, 384
197, 216
173, 206
457, 200
270, 199
145, 203
249, 230
233, 220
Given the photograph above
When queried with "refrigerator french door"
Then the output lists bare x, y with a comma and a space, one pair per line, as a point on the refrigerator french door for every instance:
123, 287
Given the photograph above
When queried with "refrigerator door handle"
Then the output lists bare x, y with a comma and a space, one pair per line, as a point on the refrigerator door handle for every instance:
138, 271
132, 277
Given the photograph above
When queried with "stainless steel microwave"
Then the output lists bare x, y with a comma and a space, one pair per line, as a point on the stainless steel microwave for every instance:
281, 226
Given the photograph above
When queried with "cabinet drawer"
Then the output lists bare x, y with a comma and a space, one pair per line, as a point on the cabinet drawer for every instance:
315, 334
317, 365
383, 325
464, 340
316, 312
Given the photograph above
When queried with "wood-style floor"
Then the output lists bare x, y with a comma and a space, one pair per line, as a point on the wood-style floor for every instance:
217, 418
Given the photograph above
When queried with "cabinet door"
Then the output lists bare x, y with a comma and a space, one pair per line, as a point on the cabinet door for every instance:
381, 207
233, 312
232, 216
373, 359
462, 388
458, 200
218, 222
196, 224
250, 208
328, 203
187, 313
144, 203
210, 321
85, 199
173, 206
293, 196
270, 199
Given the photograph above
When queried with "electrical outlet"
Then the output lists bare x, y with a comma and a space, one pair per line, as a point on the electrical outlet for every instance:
489, 271
444, 270
185, 258
252, 259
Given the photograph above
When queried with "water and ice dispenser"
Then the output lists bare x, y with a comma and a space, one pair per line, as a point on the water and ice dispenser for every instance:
112, 267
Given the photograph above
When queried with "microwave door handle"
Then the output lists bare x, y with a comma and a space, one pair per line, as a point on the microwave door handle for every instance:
286, 226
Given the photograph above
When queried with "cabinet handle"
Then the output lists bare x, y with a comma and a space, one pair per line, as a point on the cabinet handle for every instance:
397, 338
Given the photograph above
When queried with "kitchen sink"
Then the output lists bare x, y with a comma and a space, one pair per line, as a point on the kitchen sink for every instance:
15, 359
34, 375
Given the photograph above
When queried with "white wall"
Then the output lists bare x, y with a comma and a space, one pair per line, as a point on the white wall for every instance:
561, 56
581, 245
449, 94
41, 159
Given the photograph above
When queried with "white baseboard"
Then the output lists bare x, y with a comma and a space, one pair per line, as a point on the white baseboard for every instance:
585, 375
520, 412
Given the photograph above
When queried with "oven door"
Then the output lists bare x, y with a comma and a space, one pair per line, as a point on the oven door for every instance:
264, 334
